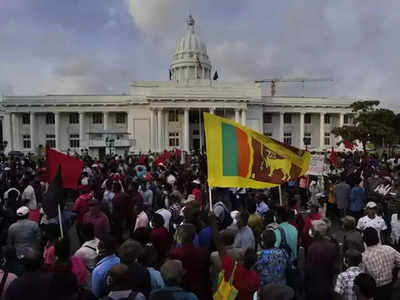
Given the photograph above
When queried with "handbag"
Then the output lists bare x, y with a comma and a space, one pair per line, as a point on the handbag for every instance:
226, 290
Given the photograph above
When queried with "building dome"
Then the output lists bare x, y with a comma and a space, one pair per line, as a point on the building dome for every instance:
190, 60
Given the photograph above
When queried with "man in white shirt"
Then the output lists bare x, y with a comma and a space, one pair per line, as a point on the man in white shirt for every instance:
29, 197
372, 220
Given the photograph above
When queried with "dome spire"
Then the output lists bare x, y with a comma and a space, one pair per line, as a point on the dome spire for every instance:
190, 21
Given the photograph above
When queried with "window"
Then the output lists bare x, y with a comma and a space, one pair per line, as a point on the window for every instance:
174, 139
26, 119
49, 118
196, 132
51, 140
73, 118
121, 118
348, 119
307, 119
173, 116
287, 138
74, 140
267, 118
327, 139
307, 138
327, 119
287, 118
194, 117
26, 139
97, 118
268, 134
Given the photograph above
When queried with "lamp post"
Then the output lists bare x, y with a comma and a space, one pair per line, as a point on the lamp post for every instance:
306, 142
3, 146
110, 143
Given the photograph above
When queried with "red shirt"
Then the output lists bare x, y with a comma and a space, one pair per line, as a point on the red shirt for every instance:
160, 240
100, 223
305, 238
245, 281
197, 194
121, 205
81, 206
196, 263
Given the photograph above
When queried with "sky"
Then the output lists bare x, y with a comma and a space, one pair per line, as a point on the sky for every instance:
100, 46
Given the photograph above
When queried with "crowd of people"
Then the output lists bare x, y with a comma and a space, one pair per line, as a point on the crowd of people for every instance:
147, 227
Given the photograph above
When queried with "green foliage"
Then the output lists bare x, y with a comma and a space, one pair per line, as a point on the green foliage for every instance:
371, 124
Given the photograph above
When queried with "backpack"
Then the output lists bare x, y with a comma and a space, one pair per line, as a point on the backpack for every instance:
293, 275
227, 217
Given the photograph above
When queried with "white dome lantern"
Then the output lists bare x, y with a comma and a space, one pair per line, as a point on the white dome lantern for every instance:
190, 61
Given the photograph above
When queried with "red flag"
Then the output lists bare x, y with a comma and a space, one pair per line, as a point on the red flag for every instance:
348, 144
141, 160
332, 157
70, 168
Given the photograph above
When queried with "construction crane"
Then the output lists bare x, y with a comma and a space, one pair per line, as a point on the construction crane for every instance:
301, 80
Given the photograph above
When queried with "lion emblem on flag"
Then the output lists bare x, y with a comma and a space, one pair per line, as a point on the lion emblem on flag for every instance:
272, 163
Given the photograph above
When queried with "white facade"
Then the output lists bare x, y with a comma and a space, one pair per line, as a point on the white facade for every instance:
164, 115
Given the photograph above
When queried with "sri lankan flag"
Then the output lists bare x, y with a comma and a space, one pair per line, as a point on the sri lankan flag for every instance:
240, 157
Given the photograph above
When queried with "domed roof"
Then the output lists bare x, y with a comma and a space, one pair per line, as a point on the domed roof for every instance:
191, 52
191, 41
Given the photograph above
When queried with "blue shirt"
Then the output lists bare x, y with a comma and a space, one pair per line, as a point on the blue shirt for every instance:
271, 266
175, 293
291, 238
357, 199
205, 238
156, 281
99, 275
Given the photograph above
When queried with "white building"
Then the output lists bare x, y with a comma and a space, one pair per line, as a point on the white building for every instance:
162, 115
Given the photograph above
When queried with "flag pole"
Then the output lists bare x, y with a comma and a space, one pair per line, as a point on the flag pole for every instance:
60, 221
210, 198
280, 196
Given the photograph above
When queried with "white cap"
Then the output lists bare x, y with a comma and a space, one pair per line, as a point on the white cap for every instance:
197, 181
371, 204
22, 211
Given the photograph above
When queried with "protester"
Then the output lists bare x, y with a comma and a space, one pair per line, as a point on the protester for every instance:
96, 217
275, 292
380, 260
245, 237
149, 259
342, 196
372, 220
313, 216
286, 229
322, 262
172, 272
352, 238
344, 282
160, 237
107, 258
5, 278
24, 233
272, 263
34, 284
364, 287
195, 261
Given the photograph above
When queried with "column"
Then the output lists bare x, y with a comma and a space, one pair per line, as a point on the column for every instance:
105, 120
321, 131
152, 130
237, 115
160, 129
17, 145
57, 130
244, 116
7, 132
81, 129
301, 136
33, 131
131, 131
341, 119
281, 126
186, 143
212, 110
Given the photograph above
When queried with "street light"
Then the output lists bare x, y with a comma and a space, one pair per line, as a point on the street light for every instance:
110, 143
3, 146
306, 142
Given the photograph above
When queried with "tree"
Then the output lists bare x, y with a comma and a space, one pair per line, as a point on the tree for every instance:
371, 124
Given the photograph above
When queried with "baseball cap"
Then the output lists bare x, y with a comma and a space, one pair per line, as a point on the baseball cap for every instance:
22, 211
371, 204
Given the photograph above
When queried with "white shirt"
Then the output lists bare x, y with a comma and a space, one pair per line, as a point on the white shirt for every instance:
395, 234
88, 253
166, 214
378, 223
29, 194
